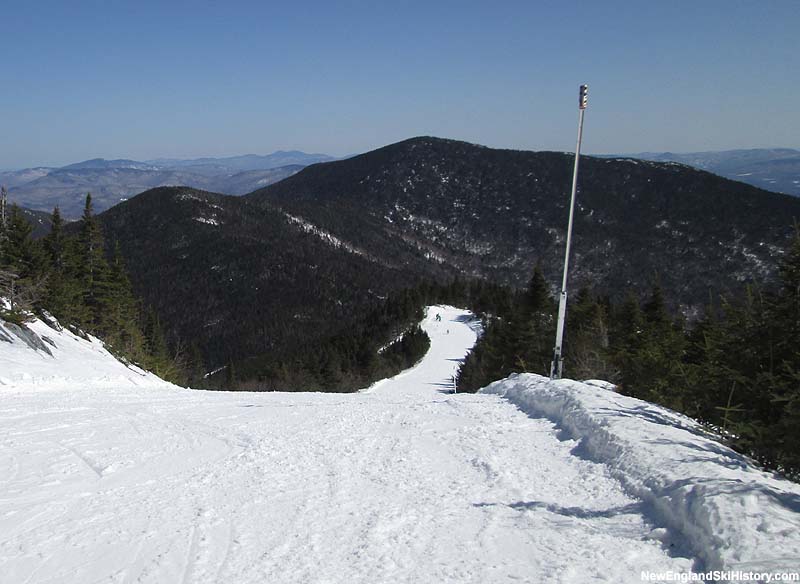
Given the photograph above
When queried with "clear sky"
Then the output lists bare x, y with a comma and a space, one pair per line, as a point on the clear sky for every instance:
182, 79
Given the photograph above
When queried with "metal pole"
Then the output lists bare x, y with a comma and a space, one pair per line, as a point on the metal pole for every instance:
3, 201
557, 366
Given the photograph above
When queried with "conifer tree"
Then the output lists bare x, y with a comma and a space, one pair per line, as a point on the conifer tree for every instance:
650, 363
21, 255
23, 263
93, 267
519, 340
586, 346
119, 323
64, 294
159, 360
780, 370
709, 381
54, 241
627, 341
528, 338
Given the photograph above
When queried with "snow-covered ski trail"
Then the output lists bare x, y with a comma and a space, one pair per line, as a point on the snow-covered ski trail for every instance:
403, 482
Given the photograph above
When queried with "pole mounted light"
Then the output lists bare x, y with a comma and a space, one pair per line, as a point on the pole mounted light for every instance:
557, 366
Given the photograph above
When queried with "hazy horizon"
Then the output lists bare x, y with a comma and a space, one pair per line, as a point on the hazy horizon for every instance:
184, 158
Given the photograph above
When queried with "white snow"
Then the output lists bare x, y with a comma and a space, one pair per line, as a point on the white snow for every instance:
69, 362
207, 220
728, 513
128, 479
324, 235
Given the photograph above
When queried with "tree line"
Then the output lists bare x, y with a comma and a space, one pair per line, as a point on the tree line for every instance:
384, 341
736, 369
74, 279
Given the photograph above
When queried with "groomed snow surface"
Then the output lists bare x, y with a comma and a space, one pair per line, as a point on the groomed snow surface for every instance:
108, 474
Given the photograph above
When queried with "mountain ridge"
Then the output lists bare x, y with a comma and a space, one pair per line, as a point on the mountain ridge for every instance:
112, 181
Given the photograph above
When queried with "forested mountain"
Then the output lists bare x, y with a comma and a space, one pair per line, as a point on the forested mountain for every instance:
231, 279
496, 213
39, 220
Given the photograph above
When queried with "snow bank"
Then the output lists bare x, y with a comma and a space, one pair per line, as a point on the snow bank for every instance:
728, 514
41, 356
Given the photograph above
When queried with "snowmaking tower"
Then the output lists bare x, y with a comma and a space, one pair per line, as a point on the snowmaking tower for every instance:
557, 366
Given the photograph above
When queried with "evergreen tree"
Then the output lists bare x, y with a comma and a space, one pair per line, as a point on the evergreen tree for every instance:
54, 241
709, 381
23, 265
119, 324
779, 373
627, 340
93, 267
21, 254
159, 360
651, 353
520, 340
587, 342
64, 293
531, 330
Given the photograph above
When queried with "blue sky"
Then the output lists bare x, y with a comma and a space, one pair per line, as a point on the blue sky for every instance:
150, 79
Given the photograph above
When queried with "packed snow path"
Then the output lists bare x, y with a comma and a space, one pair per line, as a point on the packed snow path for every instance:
404, 482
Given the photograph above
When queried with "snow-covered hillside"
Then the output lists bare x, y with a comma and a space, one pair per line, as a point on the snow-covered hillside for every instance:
114, 476
41, 357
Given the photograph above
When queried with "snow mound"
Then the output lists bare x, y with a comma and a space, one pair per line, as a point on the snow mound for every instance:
729, 514
42, 356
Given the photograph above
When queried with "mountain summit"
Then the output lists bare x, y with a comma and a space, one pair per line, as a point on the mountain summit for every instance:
496, 213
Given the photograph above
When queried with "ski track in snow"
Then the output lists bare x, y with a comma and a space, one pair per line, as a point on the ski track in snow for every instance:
404, 482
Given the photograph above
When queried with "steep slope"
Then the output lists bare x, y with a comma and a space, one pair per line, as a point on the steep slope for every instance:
495, 213
240, 279
43, 354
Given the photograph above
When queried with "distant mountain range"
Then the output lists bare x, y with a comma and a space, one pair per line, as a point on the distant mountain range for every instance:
247, 162
112, 181
776, 169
